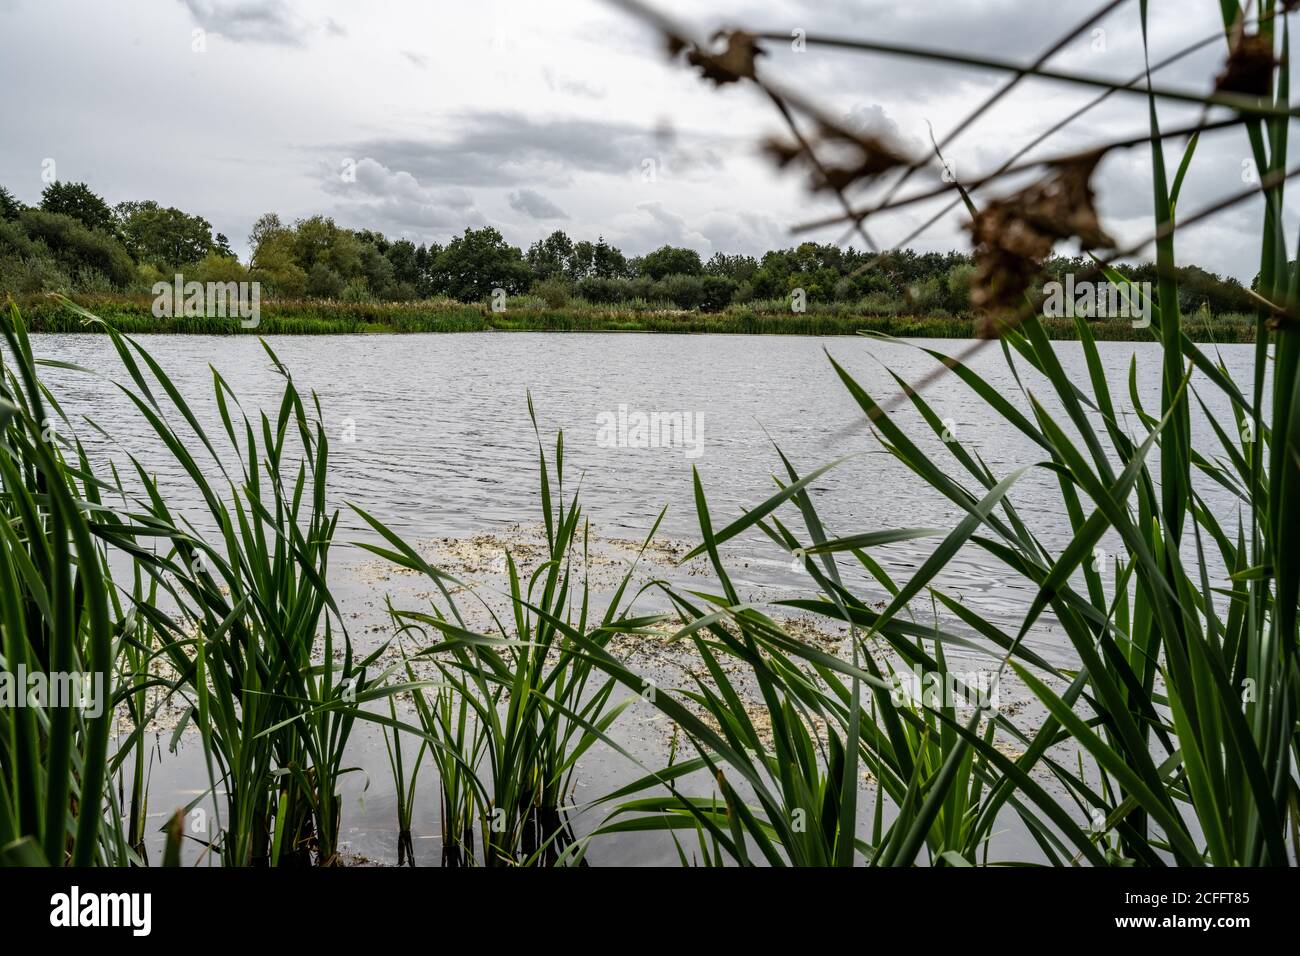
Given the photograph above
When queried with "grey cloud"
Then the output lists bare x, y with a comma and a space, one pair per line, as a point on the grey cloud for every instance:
662, 226
275, 22
418, 59
718, 230
508, 148
1001, 28
534, 204
744, 232
874, 121
1008, 30
395, 202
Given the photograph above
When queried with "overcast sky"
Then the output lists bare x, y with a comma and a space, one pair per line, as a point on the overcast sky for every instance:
531, 116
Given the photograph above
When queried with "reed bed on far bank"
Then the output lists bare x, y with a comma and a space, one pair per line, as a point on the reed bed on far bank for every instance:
133, 316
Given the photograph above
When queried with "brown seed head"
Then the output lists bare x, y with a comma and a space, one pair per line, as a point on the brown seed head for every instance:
1013, 235
730, 64
871, 156
1249, 68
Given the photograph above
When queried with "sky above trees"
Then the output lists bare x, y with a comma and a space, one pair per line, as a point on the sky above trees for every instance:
419, 119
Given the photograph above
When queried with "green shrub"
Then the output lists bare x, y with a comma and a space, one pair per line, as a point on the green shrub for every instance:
216, 268
35, 274
554, 292
957, 286
77, 246
603, 291
357, 292
683, 291
324, 283
716, 293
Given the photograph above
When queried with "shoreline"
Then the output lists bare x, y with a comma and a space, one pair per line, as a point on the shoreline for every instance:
134, 317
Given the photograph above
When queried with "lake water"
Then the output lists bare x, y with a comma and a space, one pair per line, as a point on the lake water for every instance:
431, 434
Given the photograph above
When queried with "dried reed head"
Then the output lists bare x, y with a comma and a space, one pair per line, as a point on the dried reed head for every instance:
1249, 67
870, 156
1012, 236
730, 59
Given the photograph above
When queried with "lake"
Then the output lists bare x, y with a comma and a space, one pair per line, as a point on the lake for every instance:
431, 434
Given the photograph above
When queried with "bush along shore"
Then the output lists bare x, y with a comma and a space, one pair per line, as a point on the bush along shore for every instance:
134, 315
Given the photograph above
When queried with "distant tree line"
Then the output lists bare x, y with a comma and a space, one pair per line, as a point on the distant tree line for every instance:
73, 241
